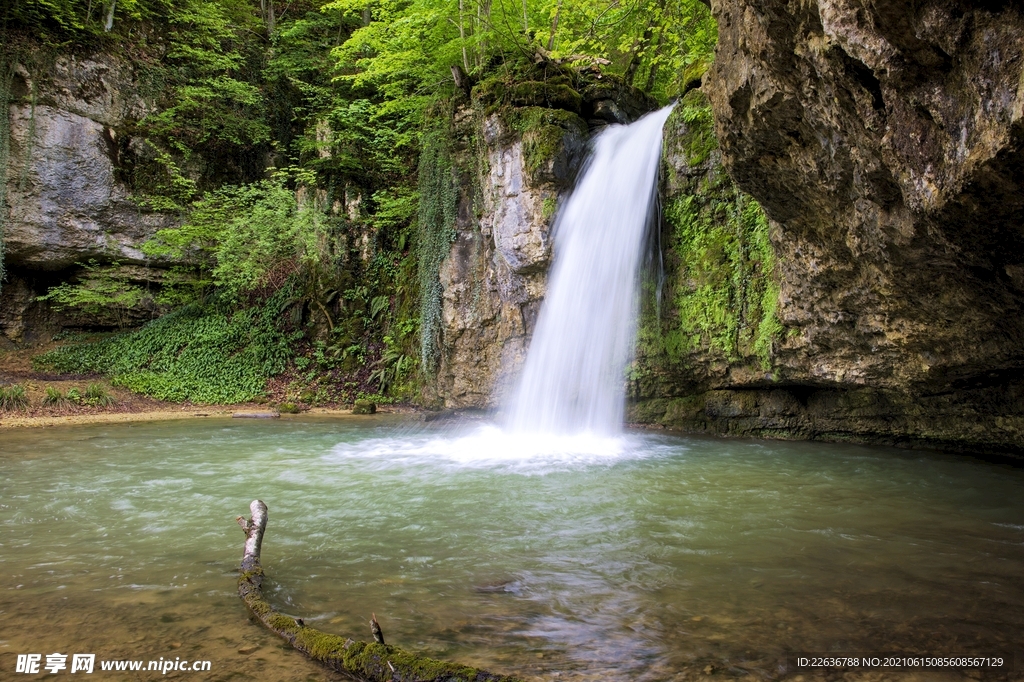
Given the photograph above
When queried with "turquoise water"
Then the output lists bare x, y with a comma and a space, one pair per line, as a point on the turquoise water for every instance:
649, 557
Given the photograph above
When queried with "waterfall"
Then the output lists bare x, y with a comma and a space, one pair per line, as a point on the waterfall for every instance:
573, 378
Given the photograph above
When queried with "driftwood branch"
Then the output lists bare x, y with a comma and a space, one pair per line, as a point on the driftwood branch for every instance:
371, 662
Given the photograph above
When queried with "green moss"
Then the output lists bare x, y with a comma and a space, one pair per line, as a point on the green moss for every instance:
321, 645
542, 131
489, 94
727, 295
549, 206
524, 84
362, 406
369, 658
720, 277
282, 623
545, 94
698, 137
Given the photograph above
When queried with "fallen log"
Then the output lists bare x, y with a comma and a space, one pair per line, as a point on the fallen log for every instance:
368, 661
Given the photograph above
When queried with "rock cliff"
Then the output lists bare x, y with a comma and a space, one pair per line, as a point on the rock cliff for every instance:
66, 203
843, 241
517, 149
884, 142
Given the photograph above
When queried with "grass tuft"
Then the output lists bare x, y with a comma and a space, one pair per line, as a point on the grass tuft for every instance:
13, 397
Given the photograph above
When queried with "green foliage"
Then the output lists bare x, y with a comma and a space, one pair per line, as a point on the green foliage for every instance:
102, 290
439, 195
699, 137
542, 130
729, 299
196, 354
407, 47
93, 396
549, 207
13, 397
218, 109
309, 145
392, 368
244, 239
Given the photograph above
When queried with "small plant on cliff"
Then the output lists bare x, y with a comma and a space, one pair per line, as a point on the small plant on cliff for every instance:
13, 397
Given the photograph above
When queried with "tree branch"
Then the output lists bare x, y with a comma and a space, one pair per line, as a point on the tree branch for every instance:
371, 662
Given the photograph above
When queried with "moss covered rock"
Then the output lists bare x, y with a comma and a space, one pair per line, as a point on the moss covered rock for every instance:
362, 406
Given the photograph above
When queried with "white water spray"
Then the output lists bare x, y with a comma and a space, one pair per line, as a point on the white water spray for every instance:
573, 379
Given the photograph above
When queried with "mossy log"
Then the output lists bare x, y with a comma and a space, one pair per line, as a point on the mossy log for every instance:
367, 661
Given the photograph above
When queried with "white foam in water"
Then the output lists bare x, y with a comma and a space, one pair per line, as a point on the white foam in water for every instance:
490, 447
573, 380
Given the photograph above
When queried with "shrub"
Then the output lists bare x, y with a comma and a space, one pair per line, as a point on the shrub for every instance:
104, 290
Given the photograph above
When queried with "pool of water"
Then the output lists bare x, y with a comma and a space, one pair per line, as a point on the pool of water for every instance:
648, 557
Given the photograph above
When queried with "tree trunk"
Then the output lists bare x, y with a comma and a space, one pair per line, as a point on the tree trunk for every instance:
460, 78
643, 45
371, 662
483, 16
652, 73
554, 26
462, 38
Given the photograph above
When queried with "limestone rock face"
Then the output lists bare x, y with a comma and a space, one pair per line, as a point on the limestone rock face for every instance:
66, 202
513, 210
494, 277
886, 141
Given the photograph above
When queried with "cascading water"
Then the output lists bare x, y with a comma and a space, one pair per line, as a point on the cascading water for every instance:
573, 378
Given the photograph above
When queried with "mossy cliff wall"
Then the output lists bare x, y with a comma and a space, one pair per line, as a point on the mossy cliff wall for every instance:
517, 144
885, 143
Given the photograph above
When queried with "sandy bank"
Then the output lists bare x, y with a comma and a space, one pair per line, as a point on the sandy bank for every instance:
11, 420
